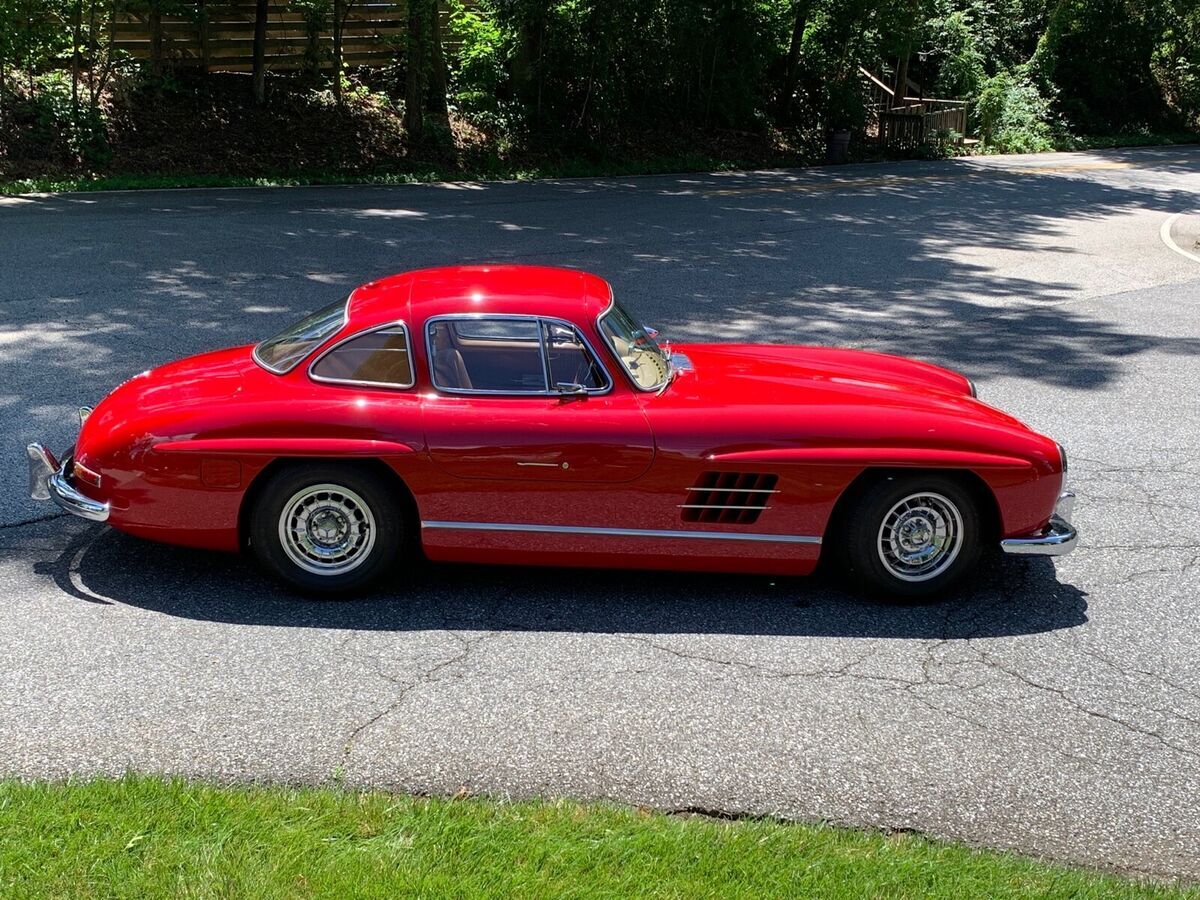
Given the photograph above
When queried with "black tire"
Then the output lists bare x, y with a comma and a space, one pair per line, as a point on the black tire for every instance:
870, 556
334, 500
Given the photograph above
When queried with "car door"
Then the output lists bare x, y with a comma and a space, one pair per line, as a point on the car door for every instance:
525, 399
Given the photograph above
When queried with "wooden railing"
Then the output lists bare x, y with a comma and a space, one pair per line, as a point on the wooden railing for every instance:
909, 122
947, 119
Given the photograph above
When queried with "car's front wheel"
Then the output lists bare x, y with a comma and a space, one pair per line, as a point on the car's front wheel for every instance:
325, 528
911, 537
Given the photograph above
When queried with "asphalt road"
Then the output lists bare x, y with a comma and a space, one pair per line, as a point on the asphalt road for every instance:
1053, 707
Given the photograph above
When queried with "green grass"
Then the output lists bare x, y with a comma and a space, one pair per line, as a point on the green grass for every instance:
1129, 139
564, 168
567, 168
141, 837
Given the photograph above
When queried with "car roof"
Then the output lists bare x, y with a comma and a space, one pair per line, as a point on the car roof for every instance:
419, 295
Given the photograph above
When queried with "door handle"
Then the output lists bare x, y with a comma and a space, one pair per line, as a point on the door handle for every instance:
546, 465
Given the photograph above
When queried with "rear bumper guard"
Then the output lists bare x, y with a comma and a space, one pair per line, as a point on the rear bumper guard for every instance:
49, 480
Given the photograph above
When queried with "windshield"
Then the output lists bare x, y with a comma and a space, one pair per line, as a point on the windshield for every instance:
281, 353
643, 359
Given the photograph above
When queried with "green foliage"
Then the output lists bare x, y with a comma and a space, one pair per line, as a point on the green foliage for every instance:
577, 78
1097, 55
961, 70
479, 77
590, 66
32, 34
79, 130
44, 122
1013, 115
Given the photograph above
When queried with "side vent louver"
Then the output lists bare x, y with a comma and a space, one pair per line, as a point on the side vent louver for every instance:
732, 498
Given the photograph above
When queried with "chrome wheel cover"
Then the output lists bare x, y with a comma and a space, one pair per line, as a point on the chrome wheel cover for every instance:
920, 537
327, 529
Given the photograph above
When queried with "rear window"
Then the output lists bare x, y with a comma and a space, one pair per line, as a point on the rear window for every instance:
282, 352
378, 357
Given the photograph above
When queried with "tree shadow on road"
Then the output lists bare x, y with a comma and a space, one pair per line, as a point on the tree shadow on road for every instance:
1009, 597
772, 257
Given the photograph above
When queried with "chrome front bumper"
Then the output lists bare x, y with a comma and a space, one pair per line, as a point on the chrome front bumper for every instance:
49, 480
1058, 538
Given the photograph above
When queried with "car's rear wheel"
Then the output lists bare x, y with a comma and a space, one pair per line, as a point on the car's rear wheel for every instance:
326, 528
911, 537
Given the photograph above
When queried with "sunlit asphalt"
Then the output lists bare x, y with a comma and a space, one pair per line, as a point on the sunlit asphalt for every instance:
1053, 707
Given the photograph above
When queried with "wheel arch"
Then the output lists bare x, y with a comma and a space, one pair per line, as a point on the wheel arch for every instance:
408, 503
989, 508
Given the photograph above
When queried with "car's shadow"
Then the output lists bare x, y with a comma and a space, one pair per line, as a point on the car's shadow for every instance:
1009, 597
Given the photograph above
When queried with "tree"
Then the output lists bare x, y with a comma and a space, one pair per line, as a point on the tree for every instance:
341, 13
425, 76
414, 78
438, 103
260, 51
800, 13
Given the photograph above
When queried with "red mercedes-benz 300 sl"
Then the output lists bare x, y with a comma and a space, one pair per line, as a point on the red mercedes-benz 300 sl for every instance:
513, 414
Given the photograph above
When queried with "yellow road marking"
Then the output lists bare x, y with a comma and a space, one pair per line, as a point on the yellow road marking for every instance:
898, 180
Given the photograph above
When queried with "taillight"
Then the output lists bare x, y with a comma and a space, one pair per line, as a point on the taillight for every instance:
84, 474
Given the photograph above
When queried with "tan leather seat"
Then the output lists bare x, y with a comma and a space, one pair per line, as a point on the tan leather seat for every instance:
449, 369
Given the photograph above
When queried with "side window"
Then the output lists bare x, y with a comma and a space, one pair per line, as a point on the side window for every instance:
376, 358
510, 356
495, 355
569, 360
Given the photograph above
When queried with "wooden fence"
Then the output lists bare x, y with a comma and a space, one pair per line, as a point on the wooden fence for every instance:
220, 35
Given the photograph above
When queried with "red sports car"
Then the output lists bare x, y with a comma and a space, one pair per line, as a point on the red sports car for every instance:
513, 414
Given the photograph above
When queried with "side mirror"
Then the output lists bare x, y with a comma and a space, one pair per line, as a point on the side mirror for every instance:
652, 332
569, 389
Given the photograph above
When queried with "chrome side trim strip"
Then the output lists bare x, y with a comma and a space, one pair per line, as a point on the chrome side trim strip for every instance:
717, 506
736, 490
625, 532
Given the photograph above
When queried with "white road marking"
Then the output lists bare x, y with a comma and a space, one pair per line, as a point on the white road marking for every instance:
1165, 234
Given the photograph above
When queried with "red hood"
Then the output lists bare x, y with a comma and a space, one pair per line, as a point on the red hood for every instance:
765, 396
780, 367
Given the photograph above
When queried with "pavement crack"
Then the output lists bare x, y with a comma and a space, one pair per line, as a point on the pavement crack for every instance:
1131, 671
842, 671
407, 685
49, 517
1079, 707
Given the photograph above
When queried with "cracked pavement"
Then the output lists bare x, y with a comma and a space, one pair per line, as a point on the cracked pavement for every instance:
1053, 707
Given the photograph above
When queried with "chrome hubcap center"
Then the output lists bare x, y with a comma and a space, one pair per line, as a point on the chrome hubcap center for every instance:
915, 534
328, 527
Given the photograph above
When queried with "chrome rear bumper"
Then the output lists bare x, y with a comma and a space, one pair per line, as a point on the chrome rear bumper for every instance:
48, 480
1058, 538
